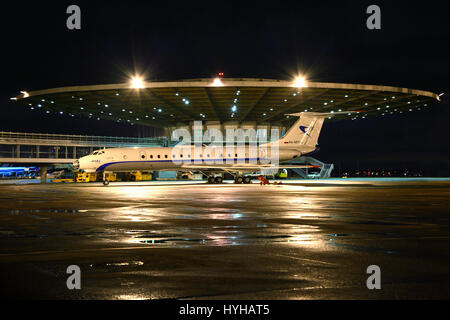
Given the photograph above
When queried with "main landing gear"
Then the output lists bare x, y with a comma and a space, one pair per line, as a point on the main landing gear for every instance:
237, 180
215, 180
241, 179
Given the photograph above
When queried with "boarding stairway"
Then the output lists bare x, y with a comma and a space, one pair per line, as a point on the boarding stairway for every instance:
325, 169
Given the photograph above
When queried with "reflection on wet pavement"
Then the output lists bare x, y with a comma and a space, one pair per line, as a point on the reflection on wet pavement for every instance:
163, 232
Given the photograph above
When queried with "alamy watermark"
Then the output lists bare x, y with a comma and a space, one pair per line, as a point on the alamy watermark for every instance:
243, 145
74, 280
374, 20
374, 280
73, 22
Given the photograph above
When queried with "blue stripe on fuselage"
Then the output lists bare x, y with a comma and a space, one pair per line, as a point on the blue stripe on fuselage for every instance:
103, 166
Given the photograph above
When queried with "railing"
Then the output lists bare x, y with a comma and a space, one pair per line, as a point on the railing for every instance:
81, 138
17, 147
325, 169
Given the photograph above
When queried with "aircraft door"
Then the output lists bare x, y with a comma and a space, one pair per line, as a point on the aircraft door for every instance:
142, 155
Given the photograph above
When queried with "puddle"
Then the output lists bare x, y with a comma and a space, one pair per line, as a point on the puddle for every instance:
117, 264
337, 235
122, 264
35, 211
223, 240
379, 223
362, 248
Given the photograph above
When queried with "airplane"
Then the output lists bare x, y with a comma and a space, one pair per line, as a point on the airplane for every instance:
212, 161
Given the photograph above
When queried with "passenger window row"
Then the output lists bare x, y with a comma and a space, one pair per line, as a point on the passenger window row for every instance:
181, 156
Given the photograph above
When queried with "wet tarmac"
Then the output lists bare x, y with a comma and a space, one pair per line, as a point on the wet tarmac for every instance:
159, 240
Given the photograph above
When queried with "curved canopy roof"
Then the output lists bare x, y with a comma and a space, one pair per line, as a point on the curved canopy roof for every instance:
165, 104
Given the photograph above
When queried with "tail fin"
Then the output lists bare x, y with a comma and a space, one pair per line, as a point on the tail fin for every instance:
305, 131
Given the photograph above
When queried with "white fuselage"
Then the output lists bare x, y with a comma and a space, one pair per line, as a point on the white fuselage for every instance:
299, 140
158, 158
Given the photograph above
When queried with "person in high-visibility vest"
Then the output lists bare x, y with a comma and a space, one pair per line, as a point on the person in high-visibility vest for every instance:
263, 180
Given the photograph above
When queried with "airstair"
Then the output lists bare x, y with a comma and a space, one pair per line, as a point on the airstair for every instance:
324, 173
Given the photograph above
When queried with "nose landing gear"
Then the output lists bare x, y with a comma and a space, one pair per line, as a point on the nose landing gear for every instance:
105, 180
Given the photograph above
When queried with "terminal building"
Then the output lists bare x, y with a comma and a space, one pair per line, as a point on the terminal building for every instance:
44, 150
263, 105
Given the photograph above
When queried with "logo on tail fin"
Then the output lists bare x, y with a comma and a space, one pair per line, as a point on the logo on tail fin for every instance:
303, 128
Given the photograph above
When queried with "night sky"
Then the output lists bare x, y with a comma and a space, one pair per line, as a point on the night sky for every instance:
172, 40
